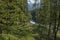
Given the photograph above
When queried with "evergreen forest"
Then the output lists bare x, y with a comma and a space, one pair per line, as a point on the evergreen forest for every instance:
29, 19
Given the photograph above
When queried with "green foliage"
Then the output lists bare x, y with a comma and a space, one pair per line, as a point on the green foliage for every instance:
15, 17
8, 37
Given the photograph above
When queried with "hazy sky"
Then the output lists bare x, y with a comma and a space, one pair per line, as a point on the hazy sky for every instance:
33, 1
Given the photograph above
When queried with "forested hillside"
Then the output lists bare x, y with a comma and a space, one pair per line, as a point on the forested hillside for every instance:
15, 17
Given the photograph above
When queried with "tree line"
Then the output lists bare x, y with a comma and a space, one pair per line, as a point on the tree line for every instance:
15, 20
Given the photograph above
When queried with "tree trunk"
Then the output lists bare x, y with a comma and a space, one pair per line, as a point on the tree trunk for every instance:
0, 30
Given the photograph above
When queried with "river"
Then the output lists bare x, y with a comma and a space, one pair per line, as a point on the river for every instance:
32, 7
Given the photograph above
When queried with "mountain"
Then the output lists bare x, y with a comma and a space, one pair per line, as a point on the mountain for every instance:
31, 7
